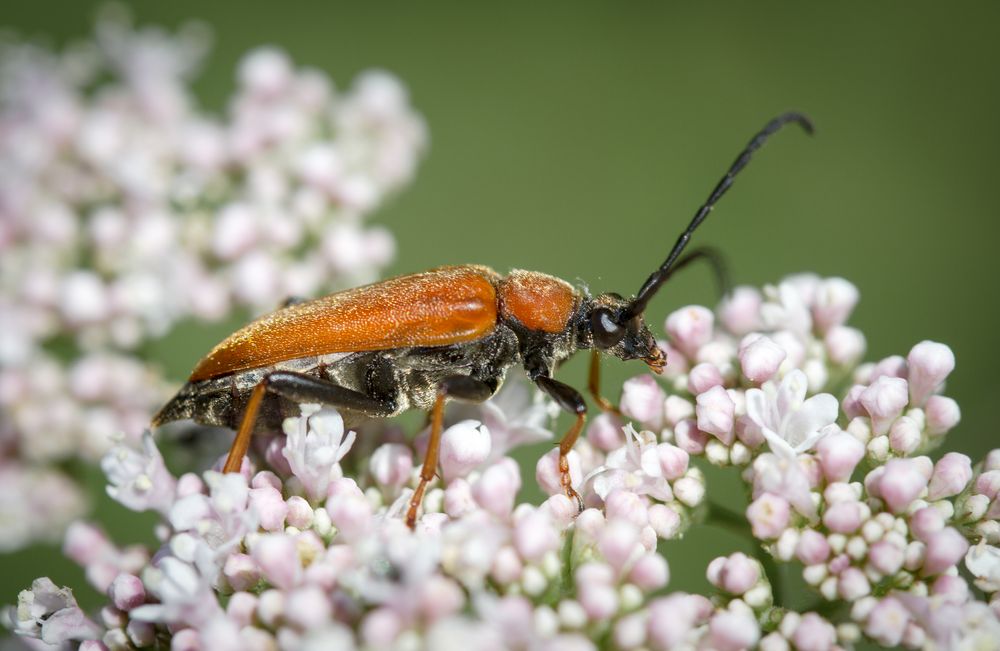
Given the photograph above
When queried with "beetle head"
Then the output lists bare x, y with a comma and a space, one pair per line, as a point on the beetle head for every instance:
615, 332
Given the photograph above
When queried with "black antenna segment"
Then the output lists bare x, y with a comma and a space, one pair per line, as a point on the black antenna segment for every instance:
658, 277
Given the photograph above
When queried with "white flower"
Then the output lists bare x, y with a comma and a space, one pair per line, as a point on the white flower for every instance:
635, 467
790, 423
783, 476
185, 593
51, 614
983, 561
316, 444
513, 417
139, 480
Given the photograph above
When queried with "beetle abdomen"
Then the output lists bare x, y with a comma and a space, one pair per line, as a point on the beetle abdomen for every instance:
536, 300
444, 306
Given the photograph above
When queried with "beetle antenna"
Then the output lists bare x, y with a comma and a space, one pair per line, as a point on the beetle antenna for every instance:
658, 277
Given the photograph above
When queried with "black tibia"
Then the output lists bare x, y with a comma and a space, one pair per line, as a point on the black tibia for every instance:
299, 388
570, 400
461, 387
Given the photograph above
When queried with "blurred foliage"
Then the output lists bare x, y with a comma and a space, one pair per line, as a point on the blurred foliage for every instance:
577, 138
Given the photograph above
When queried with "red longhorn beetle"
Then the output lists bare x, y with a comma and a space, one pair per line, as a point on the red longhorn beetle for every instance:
414, 341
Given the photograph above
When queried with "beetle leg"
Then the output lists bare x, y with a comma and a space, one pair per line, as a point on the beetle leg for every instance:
569, 400
302, 389
292, 300
461, 387
594, 385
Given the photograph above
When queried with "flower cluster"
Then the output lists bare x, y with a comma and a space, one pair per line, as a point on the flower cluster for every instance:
306, 547
125, 208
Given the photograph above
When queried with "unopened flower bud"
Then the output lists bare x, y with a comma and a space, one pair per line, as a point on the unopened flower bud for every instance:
760, 357
951, 474
690, 328
942, 414
884, 400
715, 413
642, 400
703, 377
464, 446
929, 363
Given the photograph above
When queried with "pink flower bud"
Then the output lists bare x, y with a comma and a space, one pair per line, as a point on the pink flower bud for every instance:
839, 454
690, 328
189, 484
884, 400
562, 510
458, 498
642, 400
733, 631
926, 522
844, 345
739, 312
86, 544
241, 608
851, 404
605, 432
812, 548
381, 627
263, 479
673, 461
887, 622
942, 414
497, 487
308, 608
270, 507
715, 413
992, 460
391, 465
127, 592
440, 597
905, 436
901, 482
736, 573
892, 366
350, 514
619, 543
689, 438
241, 572
300, 513
852, 584
621, 504
988, 484
929, 363
768, 516
843, 517
886, 557
833, 302
814, 634
464, 446
534, 536
672, 618
953, 588
278, 559
664, 520
945, 548
650, 572
507, 566
760, 357
951, 474
703, 377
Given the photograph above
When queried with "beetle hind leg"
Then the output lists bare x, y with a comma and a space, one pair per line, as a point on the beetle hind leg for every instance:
299, 388
569, 400
464, 388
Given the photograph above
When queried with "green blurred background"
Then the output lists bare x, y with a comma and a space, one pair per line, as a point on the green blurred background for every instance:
577, 138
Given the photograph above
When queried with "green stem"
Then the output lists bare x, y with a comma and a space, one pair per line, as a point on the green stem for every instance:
734, 522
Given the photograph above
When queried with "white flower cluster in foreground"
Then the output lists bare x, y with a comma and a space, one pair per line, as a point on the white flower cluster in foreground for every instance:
306, 548
125, 207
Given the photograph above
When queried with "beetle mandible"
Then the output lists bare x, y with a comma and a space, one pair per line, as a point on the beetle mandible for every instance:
414, 341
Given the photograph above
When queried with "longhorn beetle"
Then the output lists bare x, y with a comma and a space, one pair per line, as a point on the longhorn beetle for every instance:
412, 342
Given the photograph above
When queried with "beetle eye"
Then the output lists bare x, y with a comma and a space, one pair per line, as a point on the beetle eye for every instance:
607, 332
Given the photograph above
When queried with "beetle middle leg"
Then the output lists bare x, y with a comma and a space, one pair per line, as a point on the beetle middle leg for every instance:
299, 388
569, 400
461, 387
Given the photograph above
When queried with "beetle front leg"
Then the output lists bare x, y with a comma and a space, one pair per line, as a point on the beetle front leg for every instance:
569, 400
594, 385
461, 387
302, 389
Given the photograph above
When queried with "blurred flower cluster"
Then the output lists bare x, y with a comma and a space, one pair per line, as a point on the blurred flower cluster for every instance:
125, 207
306, 547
